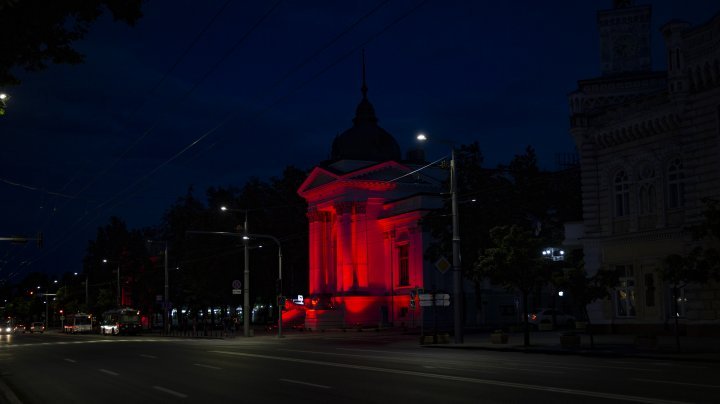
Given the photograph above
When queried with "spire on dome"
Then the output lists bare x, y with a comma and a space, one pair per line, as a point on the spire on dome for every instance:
365, 112
365, 141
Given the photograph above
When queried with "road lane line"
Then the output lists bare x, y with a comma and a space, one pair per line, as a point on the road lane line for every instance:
110, 372
680, 383
480, 368
560, 390
207, 366
70, 360
171, 392
148, 356
320, 386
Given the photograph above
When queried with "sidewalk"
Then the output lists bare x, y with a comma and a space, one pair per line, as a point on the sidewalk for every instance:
701, 349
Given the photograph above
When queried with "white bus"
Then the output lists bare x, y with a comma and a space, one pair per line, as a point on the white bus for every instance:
120, 321
78, 323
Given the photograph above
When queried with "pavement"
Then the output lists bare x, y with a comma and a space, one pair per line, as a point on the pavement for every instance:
700, 349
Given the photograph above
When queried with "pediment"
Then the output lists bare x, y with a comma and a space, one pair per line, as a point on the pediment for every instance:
387, 172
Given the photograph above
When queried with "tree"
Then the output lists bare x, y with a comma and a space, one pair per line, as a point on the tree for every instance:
515, 262
123, 249
34, 33
519, 193
698, 266
584, 289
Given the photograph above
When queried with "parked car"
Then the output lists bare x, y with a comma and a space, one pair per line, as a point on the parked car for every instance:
542, 315
37, 327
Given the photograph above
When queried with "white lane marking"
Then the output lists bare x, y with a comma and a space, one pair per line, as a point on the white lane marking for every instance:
320, 386
559, 390
680, 383
480, 367
148, 356
70, 360
207, 366
110, 372
171, 392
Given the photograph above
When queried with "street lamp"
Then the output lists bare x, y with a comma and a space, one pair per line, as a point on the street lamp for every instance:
456, 268
246, 271
117, 298
246, 237
246, 287
166, 320
87, 307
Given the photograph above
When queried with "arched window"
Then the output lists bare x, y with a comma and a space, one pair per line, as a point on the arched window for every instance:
676, 184
403, 257
647, 199
622, 194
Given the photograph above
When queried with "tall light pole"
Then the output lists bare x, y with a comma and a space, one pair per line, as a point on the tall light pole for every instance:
246, 236
87, 308
117, 296
279, 285
166, 302
246, 271
456, 267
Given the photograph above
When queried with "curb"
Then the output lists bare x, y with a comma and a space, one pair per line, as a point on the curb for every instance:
582, 352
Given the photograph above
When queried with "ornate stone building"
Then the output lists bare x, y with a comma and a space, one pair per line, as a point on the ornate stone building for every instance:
649, 145
366, 242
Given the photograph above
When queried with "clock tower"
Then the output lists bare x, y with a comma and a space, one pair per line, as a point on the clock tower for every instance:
625, 38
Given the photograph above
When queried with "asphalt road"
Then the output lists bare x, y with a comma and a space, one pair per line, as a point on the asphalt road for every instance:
325, 368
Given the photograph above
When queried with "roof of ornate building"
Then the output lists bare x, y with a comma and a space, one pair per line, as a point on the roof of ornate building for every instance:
365, 140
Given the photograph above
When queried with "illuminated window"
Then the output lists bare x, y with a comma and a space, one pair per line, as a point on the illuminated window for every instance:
622, 194
676, 184
625, 292
404, 264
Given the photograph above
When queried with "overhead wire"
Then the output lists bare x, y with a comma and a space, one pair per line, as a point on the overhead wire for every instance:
232, 114
231, 50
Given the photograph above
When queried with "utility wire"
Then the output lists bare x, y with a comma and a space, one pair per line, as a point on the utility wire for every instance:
231, 115
205, 76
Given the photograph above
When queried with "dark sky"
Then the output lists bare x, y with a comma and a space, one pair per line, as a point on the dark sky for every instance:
212, 94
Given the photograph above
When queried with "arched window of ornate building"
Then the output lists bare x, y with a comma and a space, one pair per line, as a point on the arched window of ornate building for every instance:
403, 256
621, 193
676, 184
647, 200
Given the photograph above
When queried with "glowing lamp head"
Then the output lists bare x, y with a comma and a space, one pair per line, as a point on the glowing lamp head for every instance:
421, 137
3, 96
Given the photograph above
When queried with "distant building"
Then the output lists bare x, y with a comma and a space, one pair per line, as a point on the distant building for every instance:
649, 145
365, 238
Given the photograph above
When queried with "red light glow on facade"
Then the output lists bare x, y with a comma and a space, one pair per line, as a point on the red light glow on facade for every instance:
366, 245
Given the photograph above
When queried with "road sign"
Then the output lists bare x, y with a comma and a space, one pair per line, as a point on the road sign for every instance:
236, 284
442, 265
237, 291
440, 299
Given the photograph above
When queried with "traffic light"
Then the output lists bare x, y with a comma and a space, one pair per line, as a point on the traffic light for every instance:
412, 298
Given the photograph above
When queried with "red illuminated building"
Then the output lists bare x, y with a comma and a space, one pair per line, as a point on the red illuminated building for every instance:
366, 240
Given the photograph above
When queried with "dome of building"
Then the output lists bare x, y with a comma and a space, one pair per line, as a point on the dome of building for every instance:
365, 140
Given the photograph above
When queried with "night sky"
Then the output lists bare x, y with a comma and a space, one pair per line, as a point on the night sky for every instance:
213, 93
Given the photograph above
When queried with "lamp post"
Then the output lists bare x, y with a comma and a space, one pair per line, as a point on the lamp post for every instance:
246, 236
279, 291
45, 295
246, 271
166, 311
87, 308
456, 267
117, 297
